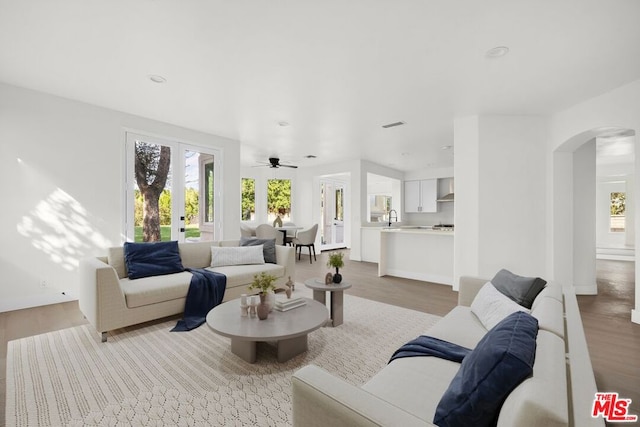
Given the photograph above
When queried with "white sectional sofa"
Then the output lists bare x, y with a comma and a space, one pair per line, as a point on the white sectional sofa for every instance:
110, 300
407, 391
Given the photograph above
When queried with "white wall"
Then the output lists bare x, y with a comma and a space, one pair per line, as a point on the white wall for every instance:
62, 172
466, 241
500, 174
584, 220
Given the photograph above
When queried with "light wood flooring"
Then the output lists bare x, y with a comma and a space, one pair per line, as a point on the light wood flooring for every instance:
614, 342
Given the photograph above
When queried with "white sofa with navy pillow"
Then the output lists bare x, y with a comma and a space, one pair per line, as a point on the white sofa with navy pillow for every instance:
127, 288
527, 365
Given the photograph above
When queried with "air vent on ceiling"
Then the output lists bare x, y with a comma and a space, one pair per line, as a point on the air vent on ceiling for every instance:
390, 125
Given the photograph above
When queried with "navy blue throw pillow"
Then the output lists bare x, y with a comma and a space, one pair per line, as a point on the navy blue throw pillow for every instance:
152, 259
268, 247
502, 359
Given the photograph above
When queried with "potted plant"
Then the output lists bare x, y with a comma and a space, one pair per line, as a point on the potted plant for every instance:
263, 282
336, 261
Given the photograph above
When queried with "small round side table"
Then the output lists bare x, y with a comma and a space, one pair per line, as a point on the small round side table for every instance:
320, 290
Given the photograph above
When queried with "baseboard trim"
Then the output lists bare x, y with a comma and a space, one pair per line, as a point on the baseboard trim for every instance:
433, 278
586, 289
616, 257
20, 303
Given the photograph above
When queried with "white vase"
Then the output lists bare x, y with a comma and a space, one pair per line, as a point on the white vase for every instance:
271, 300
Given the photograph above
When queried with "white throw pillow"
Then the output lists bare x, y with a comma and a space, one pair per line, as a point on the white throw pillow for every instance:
491, 306
236, 255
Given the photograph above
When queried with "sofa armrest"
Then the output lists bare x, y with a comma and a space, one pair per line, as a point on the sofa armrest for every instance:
286, 256
99, 287
469, 287
320, 399
582, 382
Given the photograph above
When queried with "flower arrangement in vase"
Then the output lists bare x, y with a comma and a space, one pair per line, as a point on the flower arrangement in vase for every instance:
263, 282
336, 261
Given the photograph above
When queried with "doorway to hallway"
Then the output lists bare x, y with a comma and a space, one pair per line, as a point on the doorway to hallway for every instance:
332, 214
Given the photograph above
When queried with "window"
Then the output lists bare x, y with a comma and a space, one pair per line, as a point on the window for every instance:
279, 199
617, 210
248, 199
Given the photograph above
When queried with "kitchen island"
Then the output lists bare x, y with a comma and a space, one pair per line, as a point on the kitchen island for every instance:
418, 253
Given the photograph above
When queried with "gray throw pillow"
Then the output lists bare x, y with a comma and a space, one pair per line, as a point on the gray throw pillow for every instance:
268, 248
522, 290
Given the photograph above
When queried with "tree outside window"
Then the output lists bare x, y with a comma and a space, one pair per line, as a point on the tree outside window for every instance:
248, 199
279, 199
617, 212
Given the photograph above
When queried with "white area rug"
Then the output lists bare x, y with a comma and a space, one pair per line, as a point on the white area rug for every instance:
149, 376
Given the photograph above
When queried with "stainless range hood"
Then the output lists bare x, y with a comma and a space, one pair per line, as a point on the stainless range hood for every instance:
449, 197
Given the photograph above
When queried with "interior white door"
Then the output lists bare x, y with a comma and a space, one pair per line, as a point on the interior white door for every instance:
332, 196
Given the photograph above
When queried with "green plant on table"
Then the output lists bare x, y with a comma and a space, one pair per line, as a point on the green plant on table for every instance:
336, 260
263, 282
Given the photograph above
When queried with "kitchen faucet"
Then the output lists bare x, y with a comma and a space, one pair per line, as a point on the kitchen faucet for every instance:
394, 211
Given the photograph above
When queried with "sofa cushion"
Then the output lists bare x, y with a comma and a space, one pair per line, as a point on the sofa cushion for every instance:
152, 259
522, 290
196, 254
238, 255
501, 360
238, 275
414, 384
157, 289
492, 306
459, 326
268, 247
549, 313
549, 291
542, 397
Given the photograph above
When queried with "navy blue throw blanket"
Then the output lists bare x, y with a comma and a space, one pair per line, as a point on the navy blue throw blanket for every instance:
430, 346
206, 290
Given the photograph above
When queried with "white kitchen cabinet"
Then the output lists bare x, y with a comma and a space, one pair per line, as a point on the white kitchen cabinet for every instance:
421, 196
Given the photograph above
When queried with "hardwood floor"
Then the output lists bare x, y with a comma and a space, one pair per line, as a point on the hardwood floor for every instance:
614, 342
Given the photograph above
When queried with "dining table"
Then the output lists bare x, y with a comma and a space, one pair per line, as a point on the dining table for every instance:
284, 230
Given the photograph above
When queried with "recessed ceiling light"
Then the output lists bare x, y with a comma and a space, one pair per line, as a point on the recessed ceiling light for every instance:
497, 52
446, 147
283, 124
156, 78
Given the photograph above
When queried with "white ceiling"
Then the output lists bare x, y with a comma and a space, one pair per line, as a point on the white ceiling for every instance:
336, 70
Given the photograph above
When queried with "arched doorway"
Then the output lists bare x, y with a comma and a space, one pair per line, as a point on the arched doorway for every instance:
574, 206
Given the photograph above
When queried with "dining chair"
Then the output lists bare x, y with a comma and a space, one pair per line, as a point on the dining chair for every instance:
246, 231
306, 238
291, 234
268, 231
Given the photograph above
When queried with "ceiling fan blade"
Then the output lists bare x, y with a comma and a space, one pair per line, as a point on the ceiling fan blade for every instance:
287, 166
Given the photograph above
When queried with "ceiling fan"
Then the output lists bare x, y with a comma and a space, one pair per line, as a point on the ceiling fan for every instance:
274, 163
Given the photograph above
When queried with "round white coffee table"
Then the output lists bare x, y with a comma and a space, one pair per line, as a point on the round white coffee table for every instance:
288, 329
320, 290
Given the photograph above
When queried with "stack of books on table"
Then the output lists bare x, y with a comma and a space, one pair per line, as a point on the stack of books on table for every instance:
284, 304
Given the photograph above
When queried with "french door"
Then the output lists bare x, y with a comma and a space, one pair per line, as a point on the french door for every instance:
172, 191
332, 198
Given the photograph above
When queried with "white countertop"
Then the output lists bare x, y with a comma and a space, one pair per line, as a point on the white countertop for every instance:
411, 230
